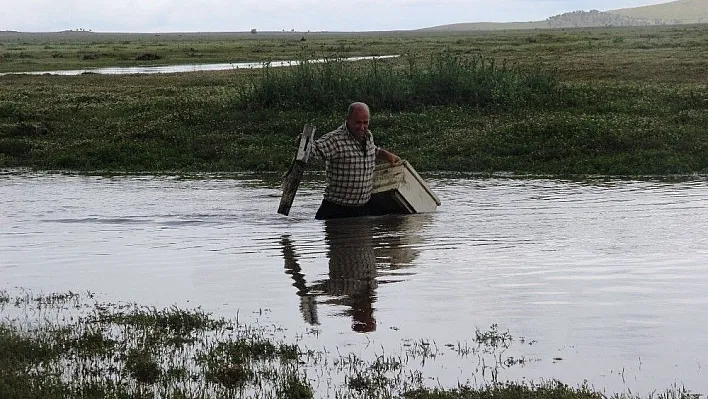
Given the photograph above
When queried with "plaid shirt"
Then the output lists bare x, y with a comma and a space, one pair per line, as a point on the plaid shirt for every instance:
349, 166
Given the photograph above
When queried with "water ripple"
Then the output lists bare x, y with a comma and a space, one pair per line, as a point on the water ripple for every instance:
598, 272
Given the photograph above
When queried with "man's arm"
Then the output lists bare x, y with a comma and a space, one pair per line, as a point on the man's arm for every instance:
388, 156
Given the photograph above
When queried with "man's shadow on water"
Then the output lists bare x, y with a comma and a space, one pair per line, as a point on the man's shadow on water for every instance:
359, 251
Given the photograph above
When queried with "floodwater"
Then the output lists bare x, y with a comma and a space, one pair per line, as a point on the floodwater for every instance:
604, 280
182, 68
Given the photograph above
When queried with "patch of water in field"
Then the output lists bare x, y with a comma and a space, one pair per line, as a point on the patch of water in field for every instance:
602, 280
183, 68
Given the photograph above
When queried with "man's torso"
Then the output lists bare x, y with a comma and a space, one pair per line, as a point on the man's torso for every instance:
349, 166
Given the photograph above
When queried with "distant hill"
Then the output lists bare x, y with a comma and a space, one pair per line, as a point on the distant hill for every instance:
482, 26
679, 12
671, 13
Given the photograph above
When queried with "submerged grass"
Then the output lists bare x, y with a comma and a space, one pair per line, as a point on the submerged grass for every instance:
94, 350
73, 346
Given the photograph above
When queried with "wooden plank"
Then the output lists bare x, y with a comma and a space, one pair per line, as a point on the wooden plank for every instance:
308, 304
292, 178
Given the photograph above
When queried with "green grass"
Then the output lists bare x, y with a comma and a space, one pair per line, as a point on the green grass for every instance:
72, 346
75, 346
629, 101
669, 54
407, 84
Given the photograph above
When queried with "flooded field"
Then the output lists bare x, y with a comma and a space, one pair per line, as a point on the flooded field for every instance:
603, 280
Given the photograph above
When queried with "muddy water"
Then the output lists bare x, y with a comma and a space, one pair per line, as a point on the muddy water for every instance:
600, 280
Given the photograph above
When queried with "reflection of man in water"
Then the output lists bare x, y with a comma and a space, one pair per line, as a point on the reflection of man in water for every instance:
352, 269
352, 273
359, 249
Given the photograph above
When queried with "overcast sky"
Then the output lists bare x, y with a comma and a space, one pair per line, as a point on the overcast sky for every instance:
300, 15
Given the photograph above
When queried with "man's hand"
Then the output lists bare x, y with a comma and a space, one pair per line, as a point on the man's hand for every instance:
393, 158
388, 156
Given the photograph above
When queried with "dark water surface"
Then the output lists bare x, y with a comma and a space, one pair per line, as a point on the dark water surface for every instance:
604, 280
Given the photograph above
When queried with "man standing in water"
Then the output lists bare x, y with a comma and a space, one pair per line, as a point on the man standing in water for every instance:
350, 156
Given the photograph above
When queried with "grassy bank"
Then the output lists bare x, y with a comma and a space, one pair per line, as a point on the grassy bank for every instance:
658, 54
628, 101
73, 346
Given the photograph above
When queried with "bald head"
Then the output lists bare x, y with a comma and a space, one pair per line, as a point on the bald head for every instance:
357, 107
358, 120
